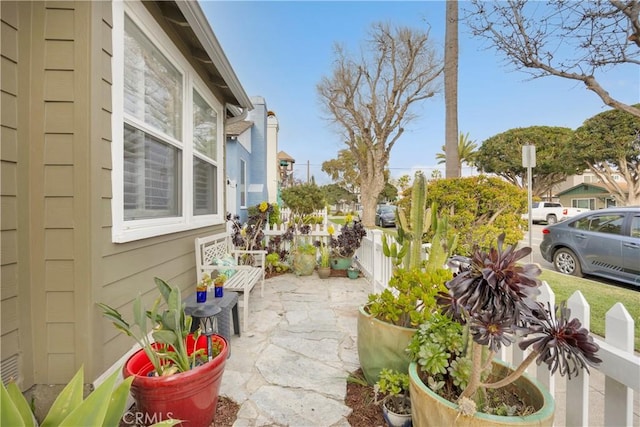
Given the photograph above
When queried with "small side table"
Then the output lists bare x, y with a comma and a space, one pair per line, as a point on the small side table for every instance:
228, 306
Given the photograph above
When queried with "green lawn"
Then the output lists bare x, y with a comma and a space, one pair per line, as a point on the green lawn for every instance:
601, 297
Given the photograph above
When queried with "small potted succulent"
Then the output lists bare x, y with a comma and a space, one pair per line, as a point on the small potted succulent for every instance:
396, 403
324, 264
346, 243
170, 368
202, 287
218, 283
353, 272
490, 302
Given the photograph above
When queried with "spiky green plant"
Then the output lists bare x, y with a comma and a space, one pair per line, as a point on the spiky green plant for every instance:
407, 250
104, 406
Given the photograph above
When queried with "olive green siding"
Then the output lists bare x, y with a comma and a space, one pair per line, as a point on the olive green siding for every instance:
14, 341
58, 259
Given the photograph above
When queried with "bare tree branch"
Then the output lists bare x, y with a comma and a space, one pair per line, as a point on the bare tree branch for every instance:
563, 38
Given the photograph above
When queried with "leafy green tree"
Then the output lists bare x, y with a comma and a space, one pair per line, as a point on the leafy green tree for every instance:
609, 144
370, 97
403, 182
479, 208
303, 199
388, 194
335, 194
466, 151
344, 171
555, 156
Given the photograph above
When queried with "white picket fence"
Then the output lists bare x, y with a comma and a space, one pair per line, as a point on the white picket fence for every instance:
286, 215
606, 393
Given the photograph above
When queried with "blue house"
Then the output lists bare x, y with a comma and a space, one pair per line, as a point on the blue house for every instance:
251, 159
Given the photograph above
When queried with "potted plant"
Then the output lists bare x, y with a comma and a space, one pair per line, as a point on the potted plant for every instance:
488, 303
303, 251
389, 319
202, 287
218, 284
345, 244
396, 403
353, 272
174, 377
324, 265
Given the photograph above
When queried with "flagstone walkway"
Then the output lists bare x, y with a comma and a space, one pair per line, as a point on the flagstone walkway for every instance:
289, 367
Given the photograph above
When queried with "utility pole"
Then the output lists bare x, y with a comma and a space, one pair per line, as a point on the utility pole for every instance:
308, 171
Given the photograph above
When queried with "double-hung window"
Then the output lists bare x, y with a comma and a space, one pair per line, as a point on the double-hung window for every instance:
167, 134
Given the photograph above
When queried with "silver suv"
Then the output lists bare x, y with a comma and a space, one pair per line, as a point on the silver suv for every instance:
603, 242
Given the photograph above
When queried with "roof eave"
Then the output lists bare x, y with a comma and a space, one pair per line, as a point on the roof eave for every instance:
200, 26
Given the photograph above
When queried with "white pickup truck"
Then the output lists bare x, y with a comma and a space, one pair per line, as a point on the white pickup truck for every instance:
551, 212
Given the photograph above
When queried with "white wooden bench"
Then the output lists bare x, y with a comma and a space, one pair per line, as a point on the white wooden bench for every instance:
219, 246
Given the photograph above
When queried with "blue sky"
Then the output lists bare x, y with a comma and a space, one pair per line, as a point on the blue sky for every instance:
281, 49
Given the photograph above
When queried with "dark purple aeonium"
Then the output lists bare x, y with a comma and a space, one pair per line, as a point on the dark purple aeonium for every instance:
493, 296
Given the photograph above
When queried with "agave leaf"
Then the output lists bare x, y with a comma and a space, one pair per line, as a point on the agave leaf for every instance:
163, 287
165, 337
139, 314
170, 320
115, 316
118, 402
67, 401
174, 302
92, 410
12, 407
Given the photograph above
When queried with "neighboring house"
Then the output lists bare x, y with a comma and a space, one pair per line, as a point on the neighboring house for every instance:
586, 191
285, 167
112, 133
251, 159
586, 196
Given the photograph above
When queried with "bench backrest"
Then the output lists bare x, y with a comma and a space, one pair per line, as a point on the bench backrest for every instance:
210, 247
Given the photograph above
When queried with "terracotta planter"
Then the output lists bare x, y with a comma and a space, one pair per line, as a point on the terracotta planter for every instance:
190, 396
324, 272
340, 263
429, 409
381, 345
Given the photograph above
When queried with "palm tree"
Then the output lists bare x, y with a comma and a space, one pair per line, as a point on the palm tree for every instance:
452, 168
466, 151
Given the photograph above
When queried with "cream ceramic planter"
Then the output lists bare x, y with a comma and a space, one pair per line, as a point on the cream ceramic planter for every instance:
429, 409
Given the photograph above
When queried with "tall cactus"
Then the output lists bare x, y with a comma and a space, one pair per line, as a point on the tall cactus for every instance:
443, 244
410, 233
420, 222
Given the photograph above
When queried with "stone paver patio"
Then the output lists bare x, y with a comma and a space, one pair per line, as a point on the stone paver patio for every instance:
290, 366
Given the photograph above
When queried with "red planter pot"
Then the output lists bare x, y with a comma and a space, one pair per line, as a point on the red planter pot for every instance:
190, 396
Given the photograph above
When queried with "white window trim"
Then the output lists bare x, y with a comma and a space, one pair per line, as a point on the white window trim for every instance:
126, 231
591, 201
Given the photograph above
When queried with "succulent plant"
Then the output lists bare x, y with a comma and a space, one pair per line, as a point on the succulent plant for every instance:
489, 302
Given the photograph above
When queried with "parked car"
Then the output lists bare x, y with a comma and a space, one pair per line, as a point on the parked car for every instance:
386, 216
551, 212
602, 242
